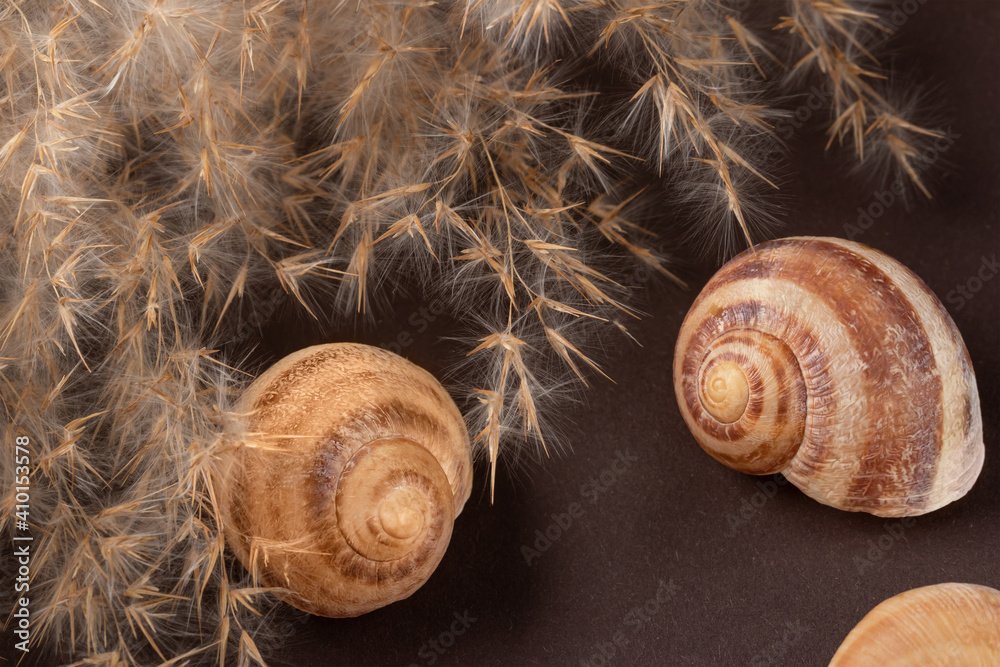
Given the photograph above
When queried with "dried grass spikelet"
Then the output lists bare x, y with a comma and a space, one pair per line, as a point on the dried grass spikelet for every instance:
498, 185
123, 404
163, 164
944, 624
838, 39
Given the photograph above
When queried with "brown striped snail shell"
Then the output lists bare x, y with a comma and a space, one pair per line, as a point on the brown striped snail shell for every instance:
835, 365
343, 495
944, 624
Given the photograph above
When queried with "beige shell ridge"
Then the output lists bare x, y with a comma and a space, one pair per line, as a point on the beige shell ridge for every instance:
354, 466
945, 624
835, 365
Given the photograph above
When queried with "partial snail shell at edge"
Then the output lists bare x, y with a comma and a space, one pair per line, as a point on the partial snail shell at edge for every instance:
835, 365
943, 624
344, 494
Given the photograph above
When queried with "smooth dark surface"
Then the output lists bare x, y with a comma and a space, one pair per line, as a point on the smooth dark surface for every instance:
680, 560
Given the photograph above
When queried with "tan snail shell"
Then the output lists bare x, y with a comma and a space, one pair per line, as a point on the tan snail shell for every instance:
343, 496
833, 364
945, 624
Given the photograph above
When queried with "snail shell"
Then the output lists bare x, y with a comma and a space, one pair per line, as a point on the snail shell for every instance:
344, 494
835, 365
945, 624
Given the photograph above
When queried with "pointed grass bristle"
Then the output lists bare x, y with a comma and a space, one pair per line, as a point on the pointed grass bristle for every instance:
838, 39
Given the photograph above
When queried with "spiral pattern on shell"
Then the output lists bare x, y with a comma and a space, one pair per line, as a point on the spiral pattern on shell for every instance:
834, 364
344, 493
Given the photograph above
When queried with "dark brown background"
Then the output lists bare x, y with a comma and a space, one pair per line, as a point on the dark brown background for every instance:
783, 586
743, 578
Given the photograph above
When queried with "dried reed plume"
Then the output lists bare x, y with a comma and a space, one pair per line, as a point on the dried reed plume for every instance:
162, 162
837, 37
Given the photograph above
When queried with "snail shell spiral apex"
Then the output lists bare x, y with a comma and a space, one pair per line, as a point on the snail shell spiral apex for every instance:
835, 365
343, 495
